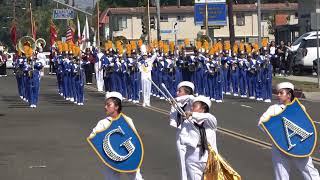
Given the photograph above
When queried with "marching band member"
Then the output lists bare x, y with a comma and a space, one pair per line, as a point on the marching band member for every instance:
210, 71
98, 70
259, 70
267, 73
184, 100
113, 107
234, 71
41, 56
145, 68
218, 79
36, 76
225, 59
198, 132
251, 73
280, 160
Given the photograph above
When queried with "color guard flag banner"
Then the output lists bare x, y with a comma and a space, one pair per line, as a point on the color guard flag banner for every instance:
53, 34
292, 131
119, 146
14, 34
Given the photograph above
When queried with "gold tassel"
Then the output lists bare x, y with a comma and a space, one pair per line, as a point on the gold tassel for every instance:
218, 169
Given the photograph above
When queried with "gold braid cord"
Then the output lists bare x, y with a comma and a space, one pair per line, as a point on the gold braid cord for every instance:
218, 169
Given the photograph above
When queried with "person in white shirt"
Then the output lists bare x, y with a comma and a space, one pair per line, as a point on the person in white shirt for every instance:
279, 159
113, 108
145, 69
41, 57
99, 71
184, 99
198, 132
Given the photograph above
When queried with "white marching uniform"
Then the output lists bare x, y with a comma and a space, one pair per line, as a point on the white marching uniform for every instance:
190, 137
109, 173
186, 102
42, 58
99, 72
145, 69
281, 161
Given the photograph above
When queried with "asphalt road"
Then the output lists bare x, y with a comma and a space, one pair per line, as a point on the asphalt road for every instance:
49, 142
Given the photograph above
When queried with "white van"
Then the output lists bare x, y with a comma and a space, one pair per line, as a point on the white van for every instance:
306, 53
296, 44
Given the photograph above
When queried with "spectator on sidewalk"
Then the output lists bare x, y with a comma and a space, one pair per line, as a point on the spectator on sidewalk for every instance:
273, 57
289, 57
281, 51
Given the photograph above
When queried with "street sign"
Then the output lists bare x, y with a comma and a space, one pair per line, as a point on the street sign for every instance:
165, 31
210, 1
63, 14
217, 14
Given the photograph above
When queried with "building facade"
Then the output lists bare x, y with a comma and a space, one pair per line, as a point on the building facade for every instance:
177, 23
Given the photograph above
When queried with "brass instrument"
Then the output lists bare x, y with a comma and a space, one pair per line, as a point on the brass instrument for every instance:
27, 45
40, 43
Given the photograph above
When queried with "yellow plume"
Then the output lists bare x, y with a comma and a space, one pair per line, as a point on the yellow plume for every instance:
65, 47
198, 44
241, 47
187, 42
165, 48
161, 45
220, 46
235, 48
205, 45
140, 43
227, 46
133, 45
255, 47
212, 50
171, 44
248, 48
264, 42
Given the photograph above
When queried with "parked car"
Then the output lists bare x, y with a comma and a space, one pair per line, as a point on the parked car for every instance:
315, 66
9, 60
305, 54
296, 44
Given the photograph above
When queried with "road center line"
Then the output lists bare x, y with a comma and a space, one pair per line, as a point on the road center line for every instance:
246, 106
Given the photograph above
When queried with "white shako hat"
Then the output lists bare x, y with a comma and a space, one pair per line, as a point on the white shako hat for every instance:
203, 99
186, 83
285, 85
114, 94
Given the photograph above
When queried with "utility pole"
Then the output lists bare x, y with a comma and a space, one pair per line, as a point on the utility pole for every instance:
149, 30
31, 21
207, 28
98, 25
317, 29
231, 22
14, 11
259, 22
158, 20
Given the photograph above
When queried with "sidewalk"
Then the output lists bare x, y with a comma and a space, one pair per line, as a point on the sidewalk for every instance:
312, 79
315, 96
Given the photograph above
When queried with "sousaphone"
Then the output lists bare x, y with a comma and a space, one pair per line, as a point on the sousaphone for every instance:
27, 41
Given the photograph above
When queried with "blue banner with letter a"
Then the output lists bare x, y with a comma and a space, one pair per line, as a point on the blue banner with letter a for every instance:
292, 131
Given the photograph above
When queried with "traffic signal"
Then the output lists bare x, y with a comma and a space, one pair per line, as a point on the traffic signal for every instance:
152, 22
144, 28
